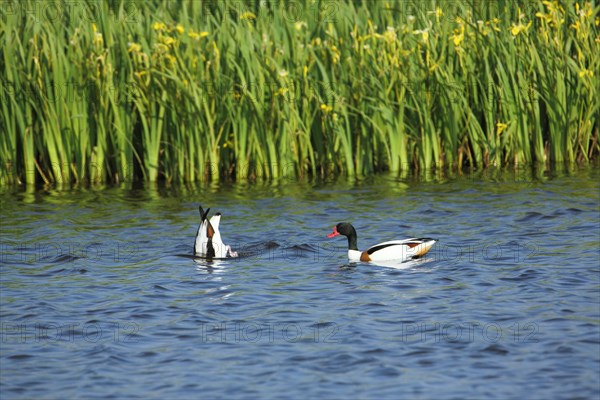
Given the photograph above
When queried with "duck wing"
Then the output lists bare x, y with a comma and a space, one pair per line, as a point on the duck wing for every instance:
400, 249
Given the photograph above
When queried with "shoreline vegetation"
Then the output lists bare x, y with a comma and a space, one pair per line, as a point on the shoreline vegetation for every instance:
114, 91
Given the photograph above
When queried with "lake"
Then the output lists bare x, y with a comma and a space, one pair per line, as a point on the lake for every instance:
100, 297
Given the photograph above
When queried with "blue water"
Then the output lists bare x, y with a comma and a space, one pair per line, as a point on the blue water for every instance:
100, 299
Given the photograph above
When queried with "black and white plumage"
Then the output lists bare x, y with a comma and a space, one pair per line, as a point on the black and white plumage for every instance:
208, 241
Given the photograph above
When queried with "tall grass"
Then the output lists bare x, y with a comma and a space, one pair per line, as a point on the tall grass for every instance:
107, 91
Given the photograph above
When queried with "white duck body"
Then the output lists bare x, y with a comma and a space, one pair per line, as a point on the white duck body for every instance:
394, 250
221, 249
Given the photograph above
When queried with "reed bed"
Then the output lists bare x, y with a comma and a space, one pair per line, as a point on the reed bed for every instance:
112, 91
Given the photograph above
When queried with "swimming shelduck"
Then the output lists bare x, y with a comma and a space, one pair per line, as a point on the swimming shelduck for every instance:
208, 241
400, 250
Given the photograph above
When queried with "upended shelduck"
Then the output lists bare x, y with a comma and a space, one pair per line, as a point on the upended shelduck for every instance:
395, 250
208, 241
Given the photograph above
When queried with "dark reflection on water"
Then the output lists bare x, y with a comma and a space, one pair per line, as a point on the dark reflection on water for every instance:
100, 295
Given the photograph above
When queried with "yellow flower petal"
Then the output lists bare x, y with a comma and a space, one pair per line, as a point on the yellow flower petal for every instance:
248, 15
159, 26
134, 48
500, 127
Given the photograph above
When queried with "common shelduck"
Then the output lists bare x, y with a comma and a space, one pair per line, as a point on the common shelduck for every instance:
399, 250
208, 241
